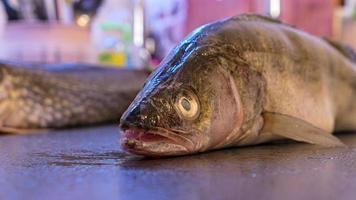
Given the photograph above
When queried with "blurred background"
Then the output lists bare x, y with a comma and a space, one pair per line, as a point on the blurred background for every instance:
139, 33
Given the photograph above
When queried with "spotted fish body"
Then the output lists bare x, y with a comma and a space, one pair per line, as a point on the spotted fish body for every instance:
60, 96
243, 81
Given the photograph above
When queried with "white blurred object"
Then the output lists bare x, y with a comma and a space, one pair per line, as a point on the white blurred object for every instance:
51, 9
111, 12
3, 19
275, 8
166, 22
65, 12
139, 23
83, 20
349, 8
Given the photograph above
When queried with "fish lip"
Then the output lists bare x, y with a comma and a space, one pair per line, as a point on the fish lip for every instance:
153, 143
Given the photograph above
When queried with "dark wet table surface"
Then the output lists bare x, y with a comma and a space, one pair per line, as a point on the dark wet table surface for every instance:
87, 163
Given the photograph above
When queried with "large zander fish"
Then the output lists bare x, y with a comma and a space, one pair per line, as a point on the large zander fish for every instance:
243, 81
63, 95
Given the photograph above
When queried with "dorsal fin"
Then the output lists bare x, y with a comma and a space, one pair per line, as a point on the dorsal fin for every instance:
261, 18
344, 49
256, 17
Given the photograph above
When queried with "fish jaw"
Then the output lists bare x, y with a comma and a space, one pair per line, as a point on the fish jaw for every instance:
153, 143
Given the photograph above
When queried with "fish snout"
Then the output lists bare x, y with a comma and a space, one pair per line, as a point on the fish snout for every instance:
138, 118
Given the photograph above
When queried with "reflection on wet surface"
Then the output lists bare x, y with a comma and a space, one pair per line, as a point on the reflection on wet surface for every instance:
85, 158
87, 163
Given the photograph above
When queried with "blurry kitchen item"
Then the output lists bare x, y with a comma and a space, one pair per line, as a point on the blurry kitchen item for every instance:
84, 11
30, 10
166, 22
51, 10
64, 11
79, 12
118, 32
27, 10
11, 9
34, 10
46, 43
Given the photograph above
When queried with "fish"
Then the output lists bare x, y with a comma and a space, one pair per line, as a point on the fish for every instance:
242, 81
34, 97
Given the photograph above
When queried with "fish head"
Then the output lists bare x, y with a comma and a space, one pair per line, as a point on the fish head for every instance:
189, 104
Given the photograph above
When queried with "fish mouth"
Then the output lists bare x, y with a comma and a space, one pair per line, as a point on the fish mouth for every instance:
154, 143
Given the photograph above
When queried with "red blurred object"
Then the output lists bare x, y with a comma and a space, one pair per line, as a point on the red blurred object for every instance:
313, 16
205, 11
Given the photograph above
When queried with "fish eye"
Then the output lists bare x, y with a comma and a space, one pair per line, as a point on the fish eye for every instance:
187, 106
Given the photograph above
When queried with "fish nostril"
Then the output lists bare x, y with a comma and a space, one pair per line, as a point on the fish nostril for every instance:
130, 118
154, 120
141, 116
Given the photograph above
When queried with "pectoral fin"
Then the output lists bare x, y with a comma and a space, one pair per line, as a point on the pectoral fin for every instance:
299, 130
